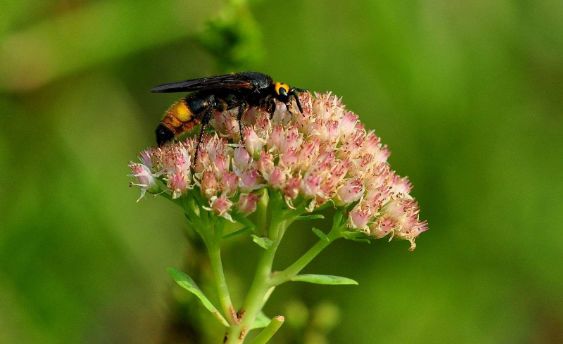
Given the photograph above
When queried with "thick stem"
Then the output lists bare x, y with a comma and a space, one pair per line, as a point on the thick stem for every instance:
260, 287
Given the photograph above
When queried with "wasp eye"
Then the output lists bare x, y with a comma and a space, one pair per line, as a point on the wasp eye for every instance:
281, 89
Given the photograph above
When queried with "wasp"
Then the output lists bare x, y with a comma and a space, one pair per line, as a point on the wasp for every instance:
220, 93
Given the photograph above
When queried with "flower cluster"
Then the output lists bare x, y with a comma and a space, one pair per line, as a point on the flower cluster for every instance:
321, 155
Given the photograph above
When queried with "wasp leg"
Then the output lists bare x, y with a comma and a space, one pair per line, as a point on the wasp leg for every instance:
241, 110
294, 94
204, 121
271, 108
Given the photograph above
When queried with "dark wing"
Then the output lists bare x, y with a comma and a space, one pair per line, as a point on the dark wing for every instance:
228, 81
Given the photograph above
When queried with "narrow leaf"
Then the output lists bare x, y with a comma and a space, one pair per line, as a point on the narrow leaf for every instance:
324, 279
356, 236
261, 321
263, 242
337, 219
243, 230
310, 217
270, 330
242, 219
187, 283
320, 234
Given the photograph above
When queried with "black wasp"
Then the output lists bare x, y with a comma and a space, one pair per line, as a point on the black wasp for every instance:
219, 93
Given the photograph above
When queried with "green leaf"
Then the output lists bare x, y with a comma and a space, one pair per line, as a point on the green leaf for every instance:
261, 321
356, 236
241, 231
325, 205
243, 220
265, 243
248, 226
320, 234
187, 283
310, 217
324, 279
337, 219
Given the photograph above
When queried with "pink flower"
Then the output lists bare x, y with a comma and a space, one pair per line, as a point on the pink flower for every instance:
146, 158
276, 139
221, 206
247, 203
265, 164
241, 159
178, 183
250, 180
226, 123
209, 184
229, 183
348, 124
202, 161
311, 185
383, 227
359, 217
350, 192
289, 158
145, 180
291, 190
283, 138
221, 163
252, 142
277, 178
400, 186
308, 152
399, 218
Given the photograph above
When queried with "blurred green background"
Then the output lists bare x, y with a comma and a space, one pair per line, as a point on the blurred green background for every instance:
467, 94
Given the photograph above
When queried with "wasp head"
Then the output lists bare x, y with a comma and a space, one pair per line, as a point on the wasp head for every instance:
284, 93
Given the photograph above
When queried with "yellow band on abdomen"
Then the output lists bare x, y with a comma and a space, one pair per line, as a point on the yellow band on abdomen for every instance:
181, 111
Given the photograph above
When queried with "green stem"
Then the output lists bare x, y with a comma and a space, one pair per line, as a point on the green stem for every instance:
270, 330
261, 286
291, 271
221, 283
287, 274
210, 229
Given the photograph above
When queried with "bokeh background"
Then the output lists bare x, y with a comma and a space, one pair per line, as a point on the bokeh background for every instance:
467, 94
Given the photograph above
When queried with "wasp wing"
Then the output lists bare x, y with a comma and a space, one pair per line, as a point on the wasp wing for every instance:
227, 81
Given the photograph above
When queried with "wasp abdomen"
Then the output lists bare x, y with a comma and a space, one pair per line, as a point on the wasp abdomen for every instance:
178, 113
163, 134
178, 118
